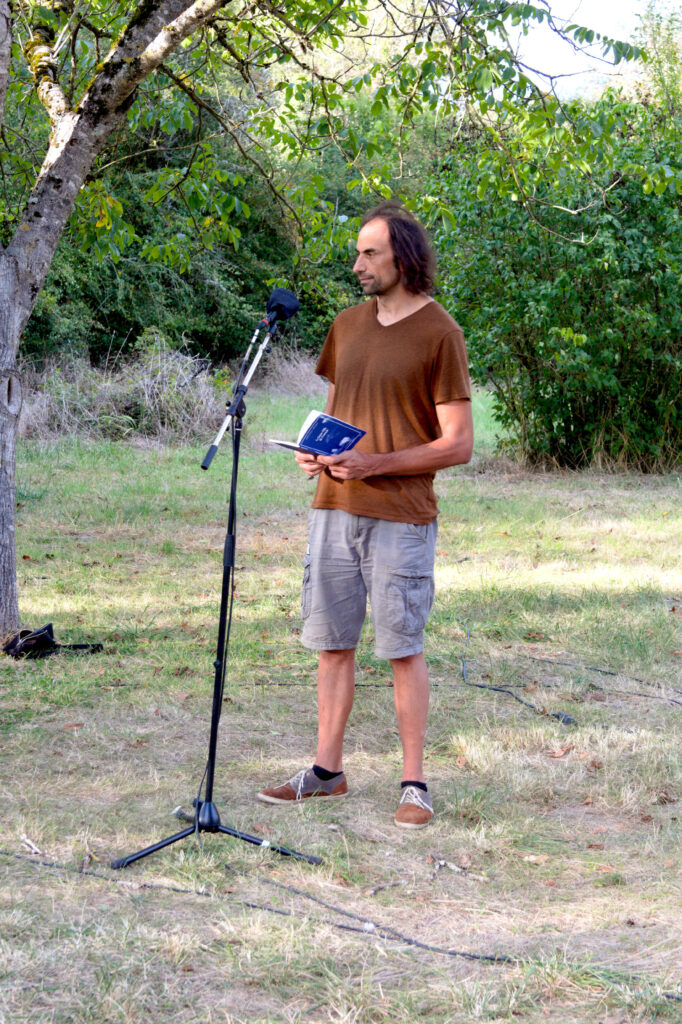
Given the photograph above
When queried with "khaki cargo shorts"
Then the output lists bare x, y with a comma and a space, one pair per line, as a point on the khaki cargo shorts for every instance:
352, 557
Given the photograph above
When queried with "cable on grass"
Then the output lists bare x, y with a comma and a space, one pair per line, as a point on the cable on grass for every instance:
570, 664
369, 927
386, 931
635, 693
358, 686
603, 689
607, 672
560, 716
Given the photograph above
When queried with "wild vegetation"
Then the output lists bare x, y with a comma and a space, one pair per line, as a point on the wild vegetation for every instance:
571, 317
578, 337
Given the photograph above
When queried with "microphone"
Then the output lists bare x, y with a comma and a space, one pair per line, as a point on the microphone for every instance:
282, 305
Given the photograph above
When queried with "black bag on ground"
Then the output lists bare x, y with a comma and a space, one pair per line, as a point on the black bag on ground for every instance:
40, 643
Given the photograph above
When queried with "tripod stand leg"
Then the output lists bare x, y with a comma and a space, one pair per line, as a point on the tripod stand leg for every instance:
271, 846
123, 862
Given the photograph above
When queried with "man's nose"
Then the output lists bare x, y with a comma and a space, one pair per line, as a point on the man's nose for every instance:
358, 265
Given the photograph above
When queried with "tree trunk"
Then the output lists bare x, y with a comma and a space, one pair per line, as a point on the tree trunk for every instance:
23, 267
76, 137
10, 407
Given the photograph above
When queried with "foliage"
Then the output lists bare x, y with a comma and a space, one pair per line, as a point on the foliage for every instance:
453, 68
235, 166
99, 306
94, 305
580, 341
279, 86
99, 297
660, 30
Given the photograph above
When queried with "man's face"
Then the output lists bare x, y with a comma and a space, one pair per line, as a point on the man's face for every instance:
375, 266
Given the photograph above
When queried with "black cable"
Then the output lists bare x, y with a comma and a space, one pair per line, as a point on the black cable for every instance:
590, 668
389, 932
569, 664
369, 927
603, 689
560, 716
607, 672
635, 693
358, 686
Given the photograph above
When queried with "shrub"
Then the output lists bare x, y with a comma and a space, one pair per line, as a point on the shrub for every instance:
291, 371
579, 342
162, 393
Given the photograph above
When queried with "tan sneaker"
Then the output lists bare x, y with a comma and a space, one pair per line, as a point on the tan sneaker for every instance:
415, 809
304, 785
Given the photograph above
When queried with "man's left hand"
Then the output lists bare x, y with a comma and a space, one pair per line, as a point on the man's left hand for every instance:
351, 465
452, 448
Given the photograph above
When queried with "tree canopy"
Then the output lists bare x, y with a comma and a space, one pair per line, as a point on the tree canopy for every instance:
273, 77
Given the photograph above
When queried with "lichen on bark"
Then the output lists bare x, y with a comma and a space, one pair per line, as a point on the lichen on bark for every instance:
39, 53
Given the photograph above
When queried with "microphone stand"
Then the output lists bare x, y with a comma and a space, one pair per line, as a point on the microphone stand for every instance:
206, 816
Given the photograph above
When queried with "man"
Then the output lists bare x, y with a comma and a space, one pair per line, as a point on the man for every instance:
396, 367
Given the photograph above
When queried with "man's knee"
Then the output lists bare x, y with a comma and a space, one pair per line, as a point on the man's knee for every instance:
408, 661
348, 654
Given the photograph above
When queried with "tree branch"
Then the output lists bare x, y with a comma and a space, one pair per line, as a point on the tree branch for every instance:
149, 39
77, 136
235, 136
5, 51
39, 53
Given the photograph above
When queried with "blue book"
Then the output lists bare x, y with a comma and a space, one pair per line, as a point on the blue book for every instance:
322, 434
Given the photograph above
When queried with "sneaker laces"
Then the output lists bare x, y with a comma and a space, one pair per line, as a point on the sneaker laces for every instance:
412, 795
297, 782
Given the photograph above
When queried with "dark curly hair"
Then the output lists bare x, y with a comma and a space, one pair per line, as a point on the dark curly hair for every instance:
414, 257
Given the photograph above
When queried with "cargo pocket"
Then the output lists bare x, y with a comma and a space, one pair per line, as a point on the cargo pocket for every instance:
409, 602
306, 589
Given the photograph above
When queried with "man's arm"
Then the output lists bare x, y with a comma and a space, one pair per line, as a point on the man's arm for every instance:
453, 448
330, 400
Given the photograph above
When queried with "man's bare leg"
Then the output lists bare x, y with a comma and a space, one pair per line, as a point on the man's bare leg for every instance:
335, 692
411, 695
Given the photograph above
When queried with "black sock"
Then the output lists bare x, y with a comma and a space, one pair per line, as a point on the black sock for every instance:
323, 774
419, 785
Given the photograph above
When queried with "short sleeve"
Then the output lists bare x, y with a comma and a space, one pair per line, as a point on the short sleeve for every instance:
326, 364
450, 371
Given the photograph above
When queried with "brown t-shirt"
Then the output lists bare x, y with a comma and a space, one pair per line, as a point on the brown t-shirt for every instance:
389, 380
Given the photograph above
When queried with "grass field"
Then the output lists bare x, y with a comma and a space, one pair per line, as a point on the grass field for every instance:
548, 887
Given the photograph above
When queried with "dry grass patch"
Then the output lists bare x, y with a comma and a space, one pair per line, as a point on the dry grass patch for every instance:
555, 845
160, 394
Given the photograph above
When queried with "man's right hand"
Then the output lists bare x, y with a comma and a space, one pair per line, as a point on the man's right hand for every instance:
309, 464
